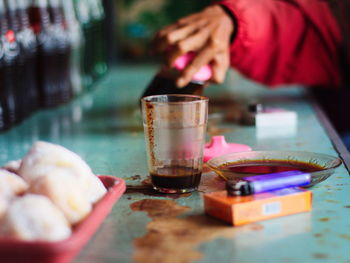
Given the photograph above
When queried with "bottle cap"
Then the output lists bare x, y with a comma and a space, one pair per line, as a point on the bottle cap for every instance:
218, 146
203, 74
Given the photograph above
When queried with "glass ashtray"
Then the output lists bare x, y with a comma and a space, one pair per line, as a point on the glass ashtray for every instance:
243, 164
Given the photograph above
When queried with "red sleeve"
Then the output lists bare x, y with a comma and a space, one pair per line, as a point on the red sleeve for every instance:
286, 41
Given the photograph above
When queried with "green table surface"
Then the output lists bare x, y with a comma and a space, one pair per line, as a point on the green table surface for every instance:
104, 127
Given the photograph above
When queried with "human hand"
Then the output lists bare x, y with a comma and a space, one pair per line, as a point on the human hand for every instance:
207, 33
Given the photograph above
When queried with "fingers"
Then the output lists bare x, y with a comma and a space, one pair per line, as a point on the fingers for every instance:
181, 33
160, 40
217, 57
201, 59
206, 33
187, 19
220, 65
196, 41
192, 43
175, 33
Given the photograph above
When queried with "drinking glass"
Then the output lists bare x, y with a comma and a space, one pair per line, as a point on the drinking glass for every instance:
175, 127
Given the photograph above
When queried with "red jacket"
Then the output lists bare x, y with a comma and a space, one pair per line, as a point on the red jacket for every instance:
286, 41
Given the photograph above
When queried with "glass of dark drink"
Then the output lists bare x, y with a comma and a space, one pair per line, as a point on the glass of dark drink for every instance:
175, 127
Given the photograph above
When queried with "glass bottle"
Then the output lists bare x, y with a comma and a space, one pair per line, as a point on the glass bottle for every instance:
75, 36
26, 70
99, 49
3, 110
63, 50
40, 22
84, 18
53, 53
10, 57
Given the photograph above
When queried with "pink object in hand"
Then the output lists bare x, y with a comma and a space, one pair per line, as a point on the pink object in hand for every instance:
203, 74
218, 146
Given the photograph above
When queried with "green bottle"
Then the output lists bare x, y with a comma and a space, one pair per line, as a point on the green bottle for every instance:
84, 18
76, 40
99, 49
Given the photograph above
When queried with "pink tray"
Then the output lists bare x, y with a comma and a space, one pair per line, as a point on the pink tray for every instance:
17, 251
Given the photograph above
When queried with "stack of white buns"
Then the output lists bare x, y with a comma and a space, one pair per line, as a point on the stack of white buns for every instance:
46, 193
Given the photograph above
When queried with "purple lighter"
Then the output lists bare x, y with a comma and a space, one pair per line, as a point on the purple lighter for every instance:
267, 182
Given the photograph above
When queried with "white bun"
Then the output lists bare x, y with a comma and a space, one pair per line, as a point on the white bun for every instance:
35, 217
64, 190
12, 166
44, 158
10, 186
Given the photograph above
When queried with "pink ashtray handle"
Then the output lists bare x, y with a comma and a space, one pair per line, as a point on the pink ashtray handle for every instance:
218, 146
217, 141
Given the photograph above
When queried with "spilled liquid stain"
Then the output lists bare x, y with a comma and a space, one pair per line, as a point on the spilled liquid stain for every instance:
332, 201
145, 188
210, 182
324, 219
135, 177
147, 181
149, 191
256, 227
170, 239
345, 236
320, 255
156, 208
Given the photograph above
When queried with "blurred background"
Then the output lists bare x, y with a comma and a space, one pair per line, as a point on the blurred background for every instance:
52, 51
136, 21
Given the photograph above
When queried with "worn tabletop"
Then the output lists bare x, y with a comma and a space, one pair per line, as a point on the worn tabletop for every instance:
104, 127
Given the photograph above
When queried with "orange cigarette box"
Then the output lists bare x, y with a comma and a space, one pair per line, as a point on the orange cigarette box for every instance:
239, 210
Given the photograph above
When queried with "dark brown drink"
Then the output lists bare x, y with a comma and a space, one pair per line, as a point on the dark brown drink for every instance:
177, 178
258, 167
